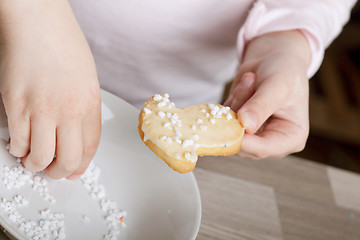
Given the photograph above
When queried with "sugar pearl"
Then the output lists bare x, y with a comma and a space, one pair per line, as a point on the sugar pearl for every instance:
161, 114
196, 137
228, 116
187, 142
203, 127
162, 104
147, 111
157, 97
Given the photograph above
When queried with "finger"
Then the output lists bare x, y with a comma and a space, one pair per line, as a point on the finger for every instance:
68, 151
42, 146
91, 138
245, 83
19, 130
266, 100
243, 90
279, 138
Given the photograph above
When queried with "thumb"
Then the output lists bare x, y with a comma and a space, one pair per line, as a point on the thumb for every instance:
267, 99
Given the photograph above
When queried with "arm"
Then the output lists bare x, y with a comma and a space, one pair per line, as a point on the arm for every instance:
49, 87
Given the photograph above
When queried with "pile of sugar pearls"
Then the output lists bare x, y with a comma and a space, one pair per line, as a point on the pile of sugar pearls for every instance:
51, 225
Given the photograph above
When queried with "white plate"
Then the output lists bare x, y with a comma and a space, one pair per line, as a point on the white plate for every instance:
160, 203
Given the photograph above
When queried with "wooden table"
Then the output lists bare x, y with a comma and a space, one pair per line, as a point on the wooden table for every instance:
289, 198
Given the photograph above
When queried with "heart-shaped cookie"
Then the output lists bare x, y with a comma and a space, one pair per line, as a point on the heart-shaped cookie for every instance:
179, 136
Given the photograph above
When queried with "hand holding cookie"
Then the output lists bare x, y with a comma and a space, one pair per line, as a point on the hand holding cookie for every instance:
270, 95
179, 136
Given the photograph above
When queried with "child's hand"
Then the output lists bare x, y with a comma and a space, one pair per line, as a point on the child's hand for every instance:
270, 94
49, 87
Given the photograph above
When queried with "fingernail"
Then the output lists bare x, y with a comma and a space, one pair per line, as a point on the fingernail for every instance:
247, 81
248, 120
23, 160
74, 176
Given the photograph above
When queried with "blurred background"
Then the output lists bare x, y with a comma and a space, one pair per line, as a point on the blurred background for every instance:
335, 102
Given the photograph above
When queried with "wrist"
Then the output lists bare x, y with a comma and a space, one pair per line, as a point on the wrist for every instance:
22, 19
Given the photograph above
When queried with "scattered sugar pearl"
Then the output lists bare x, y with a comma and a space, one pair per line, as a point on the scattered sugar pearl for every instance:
203, 127
169, 140
228, 116
166, 95
20, 201
169, 114
212, 121
193, 127
157, 97
39, 184
187, 156
215, 110
163, 138
147, 111
203, 110
207, 115
51, 225
33, 229
161, 114
196, 137
167, 125
187, 142
178, 141
172, 105
162, 104
15, 176
178, 132
113, 213
199, 121
223, 110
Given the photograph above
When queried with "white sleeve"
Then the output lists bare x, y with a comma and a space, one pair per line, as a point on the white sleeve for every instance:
319, 20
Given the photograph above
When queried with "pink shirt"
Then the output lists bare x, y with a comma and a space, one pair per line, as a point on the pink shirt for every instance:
191, 48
